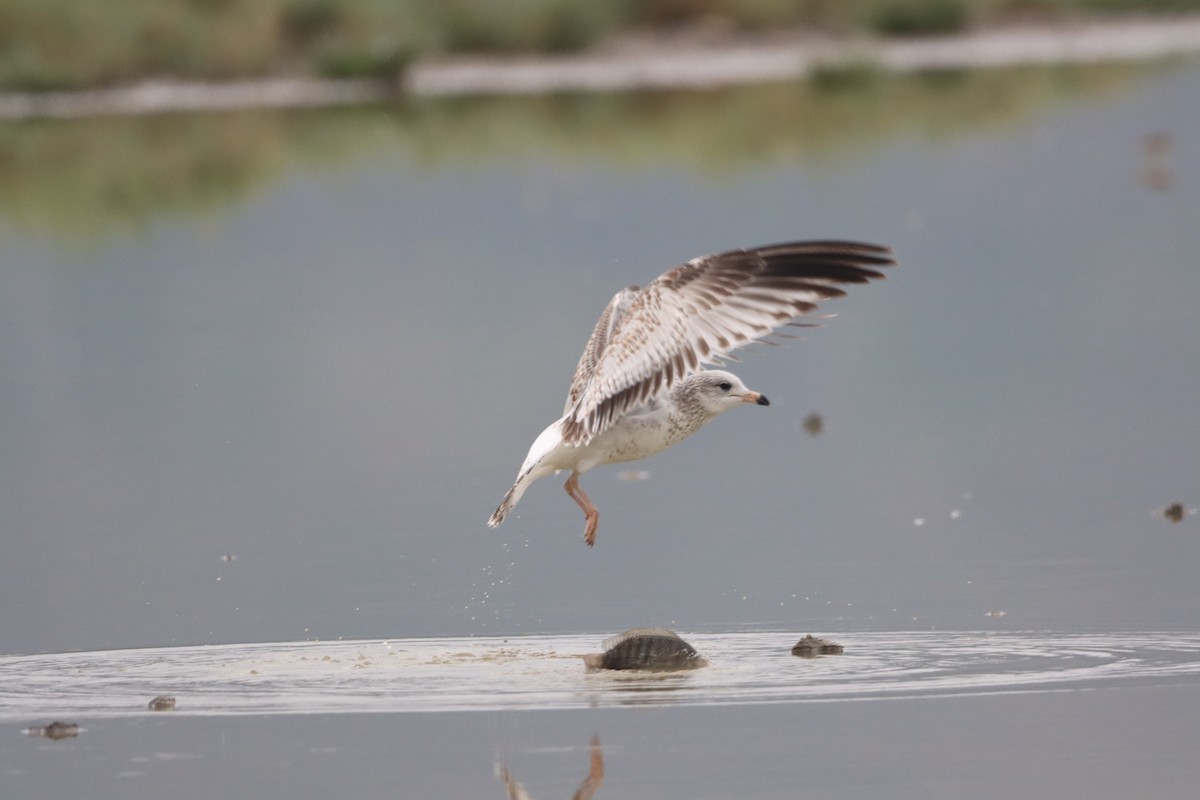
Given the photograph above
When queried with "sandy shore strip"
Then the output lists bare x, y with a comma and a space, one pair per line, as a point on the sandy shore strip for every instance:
672, 66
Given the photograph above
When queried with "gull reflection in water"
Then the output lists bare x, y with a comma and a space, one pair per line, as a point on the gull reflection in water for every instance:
586, 789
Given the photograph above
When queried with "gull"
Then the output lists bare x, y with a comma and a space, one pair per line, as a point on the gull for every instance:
640, 386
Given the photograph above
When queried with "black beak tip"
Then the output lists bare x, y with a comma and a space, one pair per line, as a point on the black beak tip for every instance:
762, 400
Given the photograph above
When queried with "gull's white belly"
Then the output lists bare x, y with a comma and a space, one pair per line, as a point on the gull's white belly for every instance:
630, 439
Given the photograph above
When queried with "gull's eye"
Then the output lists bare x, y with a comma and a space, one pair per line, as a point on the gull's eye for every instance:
725, 386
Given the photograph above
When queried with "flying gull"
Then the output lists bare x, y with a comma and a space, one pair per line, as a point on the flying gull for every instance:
640, 387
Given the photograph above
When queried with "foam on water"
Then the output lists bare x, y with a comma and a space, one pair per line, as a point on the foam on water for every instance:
545, 672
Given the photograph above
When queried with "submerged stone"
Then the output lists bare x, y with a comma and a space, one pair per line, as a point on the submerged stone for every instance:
811, 646
55, 730
651, 649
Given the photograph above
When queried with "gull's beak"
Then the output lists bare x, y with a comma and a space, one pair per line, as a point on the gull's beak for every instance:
755, 397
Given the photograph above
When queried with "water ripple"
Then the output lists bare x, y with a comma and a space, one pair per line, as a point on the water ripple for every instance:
544, 672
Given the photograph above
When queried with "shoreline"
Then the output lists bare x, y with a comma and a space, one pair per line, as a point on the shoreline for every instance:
649, 64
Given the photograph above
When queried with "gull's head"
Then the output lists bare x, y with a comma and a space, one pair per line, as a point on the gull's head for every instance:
717, 391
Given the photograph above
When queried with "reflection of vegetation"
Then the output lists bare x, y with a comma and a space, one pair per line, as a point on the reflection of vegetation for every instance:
56, 44
96, 173
124, 170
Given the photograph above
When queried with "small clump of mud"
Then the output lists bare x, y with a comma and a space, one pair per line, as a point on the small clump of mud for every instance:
1175, 512
162, 703
649, 649
813, 424
811, 647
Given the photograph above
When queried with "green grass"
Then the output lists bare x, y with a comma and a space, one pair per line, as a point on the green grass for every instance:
383, 60
64, 44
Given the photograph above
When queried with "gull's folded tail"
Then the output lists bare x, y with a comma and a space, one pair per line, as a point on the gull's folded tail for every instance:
502, 510
531, 470
511, 498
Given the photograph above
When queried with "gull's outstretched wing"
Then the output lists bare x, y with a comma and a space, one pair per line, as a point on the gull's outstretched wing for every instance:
602, 334
699, 312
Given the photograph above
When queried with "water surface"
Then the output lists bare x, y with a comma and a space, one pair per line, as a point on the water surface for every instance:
545, 673
899, 714
332, 373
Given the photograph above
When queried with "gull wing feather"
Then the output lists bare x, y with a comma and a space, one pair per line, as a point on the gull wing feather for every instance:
602, 334
699, 313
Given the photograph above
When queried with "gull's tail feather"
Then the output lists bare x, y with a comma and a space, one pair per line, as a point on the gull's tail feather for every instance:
531, 470
512, 497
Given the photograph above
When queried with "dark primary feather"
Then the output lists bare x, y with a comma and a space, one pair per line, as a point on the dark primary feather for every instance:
698, 313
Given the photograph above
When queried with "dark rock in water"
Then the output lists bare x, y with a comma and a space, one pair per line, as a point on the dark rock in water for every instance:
162, 703
811, 646
55, 730
652, 649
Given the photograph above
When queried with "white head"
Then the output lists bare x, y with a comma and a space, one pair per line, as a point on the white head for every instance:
716, 390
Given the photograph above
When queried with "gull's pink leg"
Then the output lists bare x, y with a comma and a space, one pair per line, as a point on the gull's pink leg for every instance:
590, 511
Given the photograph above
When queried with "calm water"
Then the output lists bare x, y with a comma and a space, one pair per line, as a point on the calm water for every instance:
266, 375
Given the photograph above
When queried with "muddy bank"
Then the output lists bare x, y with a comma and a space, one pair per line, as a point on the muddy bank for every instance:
646, 64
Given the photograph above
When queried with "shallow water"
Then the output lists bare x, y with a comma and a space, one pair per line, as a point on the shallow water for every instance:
899, 715
545, 673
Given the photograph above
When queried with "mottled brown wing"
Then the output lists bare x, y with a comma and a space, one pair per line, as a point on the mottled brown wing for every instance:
700, 312
610, 320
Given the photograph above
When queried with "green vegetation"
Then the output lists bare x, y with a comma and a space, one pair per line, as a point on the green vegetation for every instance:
64, 44
917, 17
